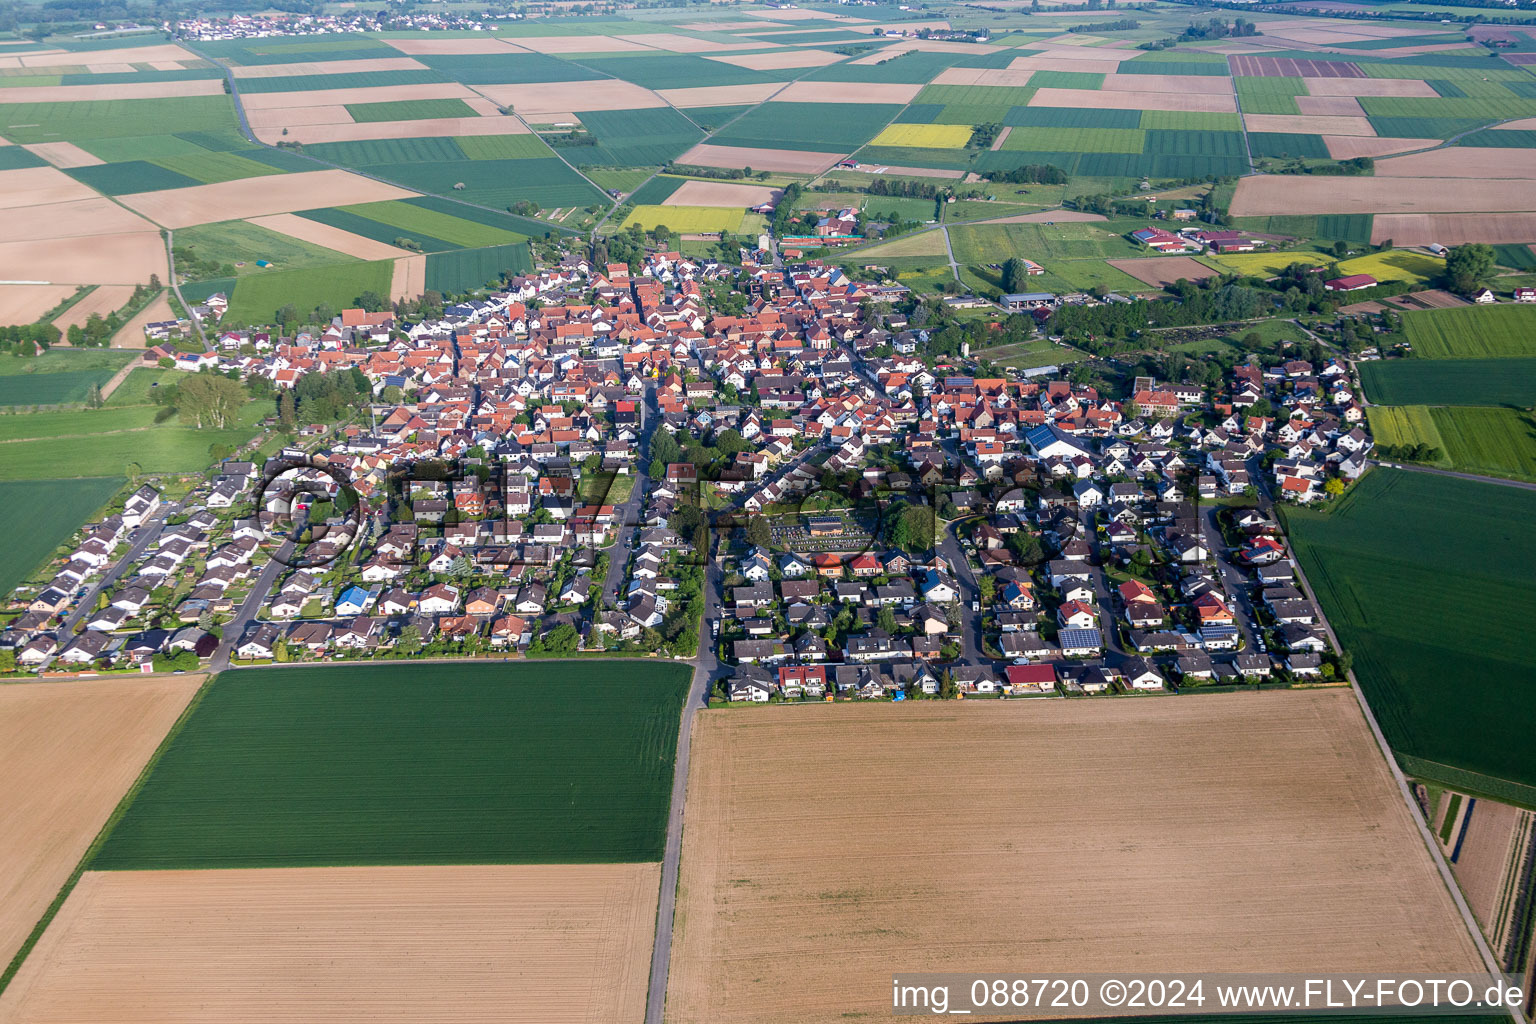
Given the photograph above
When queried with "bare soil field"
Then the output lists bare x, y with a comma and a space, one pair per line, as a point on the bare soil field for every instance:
784, 59
1343, 147
131, 334
39, 186
1487, 854
1308, 124
113, 91
365, 94
1454, 228
541, 944
428, 128
408, 278
127, 258
723, 193
849, 92
24, 303
1260, 831
544, 97
790, 160
675, 43
327, 67
126, 55
103, 300
720, 95
329, 237
1292, 67
1272, 195
69, 220
293, 117
64, 154
580, 44
72, 749
1331, 106
1160, 271
1089, 99
1098, 66
449, 47
1434, 298
1411, 87
1524, 124
1009, 76
1168, 83
1461, 163
257, 197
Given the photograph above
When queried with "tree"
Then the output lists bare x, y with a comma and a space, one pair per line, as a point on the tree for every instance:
948, 690
886, 619
758, 532
287, 413
1013, 274
208, 399
410, 640
280, 650
372, 301
914, 528
1333, 486
1468, 266
986, 587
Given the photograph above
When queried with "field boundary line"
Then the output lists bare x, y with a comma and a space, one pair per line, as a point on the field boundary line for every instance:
101, 836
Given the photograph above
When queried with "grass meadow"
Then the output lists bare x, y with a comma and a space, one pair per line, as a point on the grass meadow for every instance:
1426, 580
257, 298
413, 764
238, 241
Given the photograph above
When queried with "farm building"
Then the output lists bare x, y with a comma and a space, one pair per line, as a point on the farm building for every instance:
1350, 283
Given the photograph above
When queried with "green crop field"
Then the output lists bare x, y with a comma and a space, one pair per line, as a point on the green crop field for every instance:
495, 183
975, 95
238, 241
257, 299
1492, 441
1450, 381
412, 219
413, 764
36, 516
506, 68
1475, 332
1083, 140
351, 80
1483, 108
110, 119
1269, 95
1399, 425
410, 110
1189, 120
433, 149
994, 243
1072, 117
502, 147
677, 71
656, 191
164, 449
634, 138
1426, 580
79, 422
463, 269
1286, 145
133, 176
368, 228
1066, 80
1426, 127
13, 158
818, 127
59, 388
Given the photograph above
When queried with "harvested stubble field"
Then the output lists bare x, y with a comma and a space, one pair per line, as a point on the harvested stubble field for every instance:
1493, 845
72, 749
1276, 841
24, 303
1290, 195
257, 197
722, 193
1454, 228
552, 944
787, 160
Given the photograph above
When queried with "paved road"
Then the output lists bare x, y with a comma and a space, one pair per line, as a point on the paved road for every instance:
707, 668
628, 514
146, 534
1523, 485
235, 629
971, 650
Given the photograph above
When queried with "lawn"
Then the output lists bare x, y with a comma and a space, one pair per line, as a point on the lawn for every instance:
238, 241
257, 299
413, 764
1426, 580
36, 516
1472, 332
1450, 381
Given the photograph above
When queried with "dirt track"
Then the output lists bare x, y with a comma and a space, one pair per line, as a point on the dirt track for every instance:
1258, 832
541, 944
72, 749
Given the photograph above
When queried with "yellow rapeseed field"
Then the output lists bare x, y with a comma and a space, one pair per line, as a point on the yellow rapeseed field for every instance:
925, 136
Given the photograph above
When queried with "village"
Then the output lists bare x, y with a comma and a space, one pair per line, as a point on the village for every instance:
595, 461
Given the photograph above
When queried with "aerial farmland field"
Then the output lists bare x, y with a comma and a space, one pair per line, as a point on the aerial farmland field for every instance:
31, 535
535, 763
1477, 332
1213, 867
1493, 381
1451, 712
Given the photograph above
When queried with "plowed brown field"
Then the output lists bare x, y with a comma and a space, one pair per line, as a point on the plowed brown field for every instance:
541, 944
72, 750
829, 846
